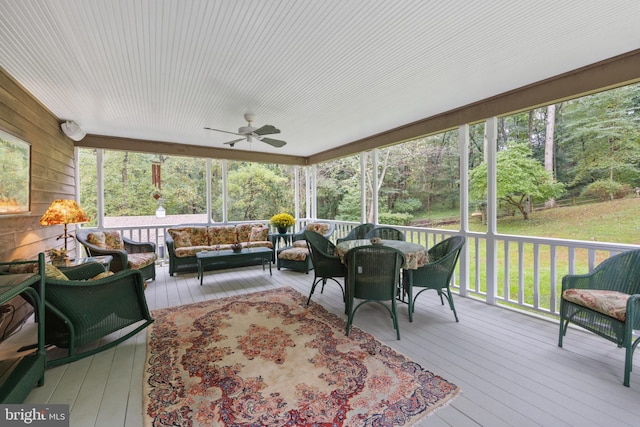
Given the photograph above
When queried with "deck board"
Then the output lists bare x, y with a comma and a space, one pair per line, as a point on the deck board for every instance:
507, 363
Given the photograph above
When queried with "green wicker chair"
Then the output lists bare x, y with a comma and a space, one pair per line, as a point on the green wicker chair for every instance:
136, 255
296, 256
606, 302
358, 232
326, 265
80, 312
436, 275
373, 276
386, 233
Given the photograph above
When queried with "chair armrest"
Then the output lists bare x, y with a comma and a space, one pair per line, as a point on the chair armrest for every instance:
169, 244
577, 281
133, 247
297, 236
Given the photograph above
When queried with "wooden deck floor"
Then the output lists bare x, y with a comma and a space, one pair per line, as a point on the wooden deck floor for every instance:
508, 365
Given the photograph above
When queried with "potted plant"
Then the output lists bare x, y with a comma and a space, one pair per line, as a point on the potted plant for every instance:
282, 221
57, 257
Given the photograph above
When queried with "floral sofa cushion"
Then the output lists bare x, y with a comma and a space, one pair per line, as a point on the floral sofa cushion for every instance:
222, 235
258, 234
245, 231
611, 303
189, 236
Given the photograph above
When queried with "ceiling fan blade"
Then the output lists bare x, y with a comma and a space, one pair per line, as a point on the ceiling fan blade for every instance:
232, 143
267, 130
274, 142
225, 131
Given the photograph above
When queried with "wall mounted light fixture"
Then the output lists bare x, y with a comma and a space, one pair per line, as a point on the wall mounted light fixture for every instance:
72, 130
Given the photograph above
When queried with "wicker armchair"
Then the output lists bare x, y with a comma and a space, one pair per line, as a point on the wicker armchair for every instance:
80, 311
326, 264
606, 302
436, 274
373, 273
296, 256
126, 253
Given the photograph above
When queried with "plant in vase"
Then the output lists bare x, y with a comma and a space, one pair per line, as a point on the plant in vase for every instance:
57, 256
282, 221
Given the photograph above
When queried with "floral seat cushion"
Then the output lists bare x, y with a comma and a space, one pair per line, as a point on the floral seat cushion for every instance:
141, 260
611, 303
294, 254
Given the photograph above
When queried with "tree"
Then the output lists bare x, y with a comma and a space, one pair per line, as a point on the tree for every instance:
601, 137
519, 176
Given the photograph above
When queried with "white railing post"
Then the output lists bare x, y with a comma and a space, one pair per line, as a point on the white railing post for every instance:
491, 139
363, 186
100, 185
225, 214
208, 190
374, 185
296, 191
463, 150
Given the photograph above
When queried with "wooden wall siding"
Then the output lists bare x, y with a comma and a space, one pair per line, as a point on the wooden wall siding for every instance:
52, 171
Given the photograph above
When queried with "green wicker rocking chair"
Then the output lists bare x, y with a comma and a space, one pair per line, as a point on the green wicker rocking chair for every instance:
606, 302
79, 312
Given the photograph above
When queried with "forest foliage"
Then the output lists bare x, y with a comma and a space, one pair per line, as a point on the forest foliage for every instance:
594, 149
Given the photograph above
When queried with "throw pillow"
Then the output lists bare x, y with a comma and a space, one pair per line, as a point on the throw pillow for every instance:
319, 227
181, 237
113, 240
97, 238
23, 268
259, 234
102, 275
52, 272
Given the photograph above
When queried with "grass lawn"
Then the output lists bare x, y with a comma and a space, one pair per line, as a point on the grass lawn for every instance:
613, 222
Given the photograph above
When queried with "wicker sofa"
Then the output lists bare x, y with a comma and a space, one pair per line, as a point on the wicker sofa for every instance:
182, 242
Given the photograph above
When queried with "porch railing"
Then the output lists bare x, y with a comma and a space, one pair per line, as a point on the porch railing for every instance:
527, 272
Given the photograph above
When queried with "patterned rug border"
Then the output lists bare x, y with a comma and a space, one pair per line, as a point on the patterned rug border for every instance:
357, 335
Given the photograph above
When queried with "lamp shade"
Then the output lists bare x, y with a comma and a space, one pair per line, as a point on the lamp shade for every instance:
63, 212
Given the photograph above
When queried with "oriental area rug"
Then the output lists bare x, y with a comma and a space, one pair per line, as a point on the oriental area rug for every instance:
268, 359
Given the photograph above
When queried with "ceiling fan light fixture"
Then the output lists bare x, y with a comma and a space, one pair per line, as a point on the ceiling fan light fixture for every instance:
72, 130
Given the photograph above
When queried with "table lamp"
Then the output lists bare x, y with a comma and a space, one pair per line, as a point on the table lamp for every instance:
64, 212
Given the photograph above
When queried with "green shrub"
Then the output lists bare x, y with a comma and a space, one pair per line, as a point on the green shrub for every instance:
394, 218
407, 205
606, 189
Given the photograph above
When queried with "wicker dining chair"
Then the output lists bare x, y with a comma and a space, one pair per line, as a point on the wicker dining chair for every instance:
606, 302
437, 273
386, 233
373, 276
326, 263
358, 232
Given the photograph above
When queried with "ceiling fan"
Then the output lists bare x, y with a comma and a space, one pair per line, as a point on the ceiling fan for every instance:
250, 133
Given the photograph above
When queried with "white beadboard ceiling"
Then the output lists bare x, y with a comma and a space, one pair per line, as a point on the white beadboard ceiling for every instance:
326, 72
